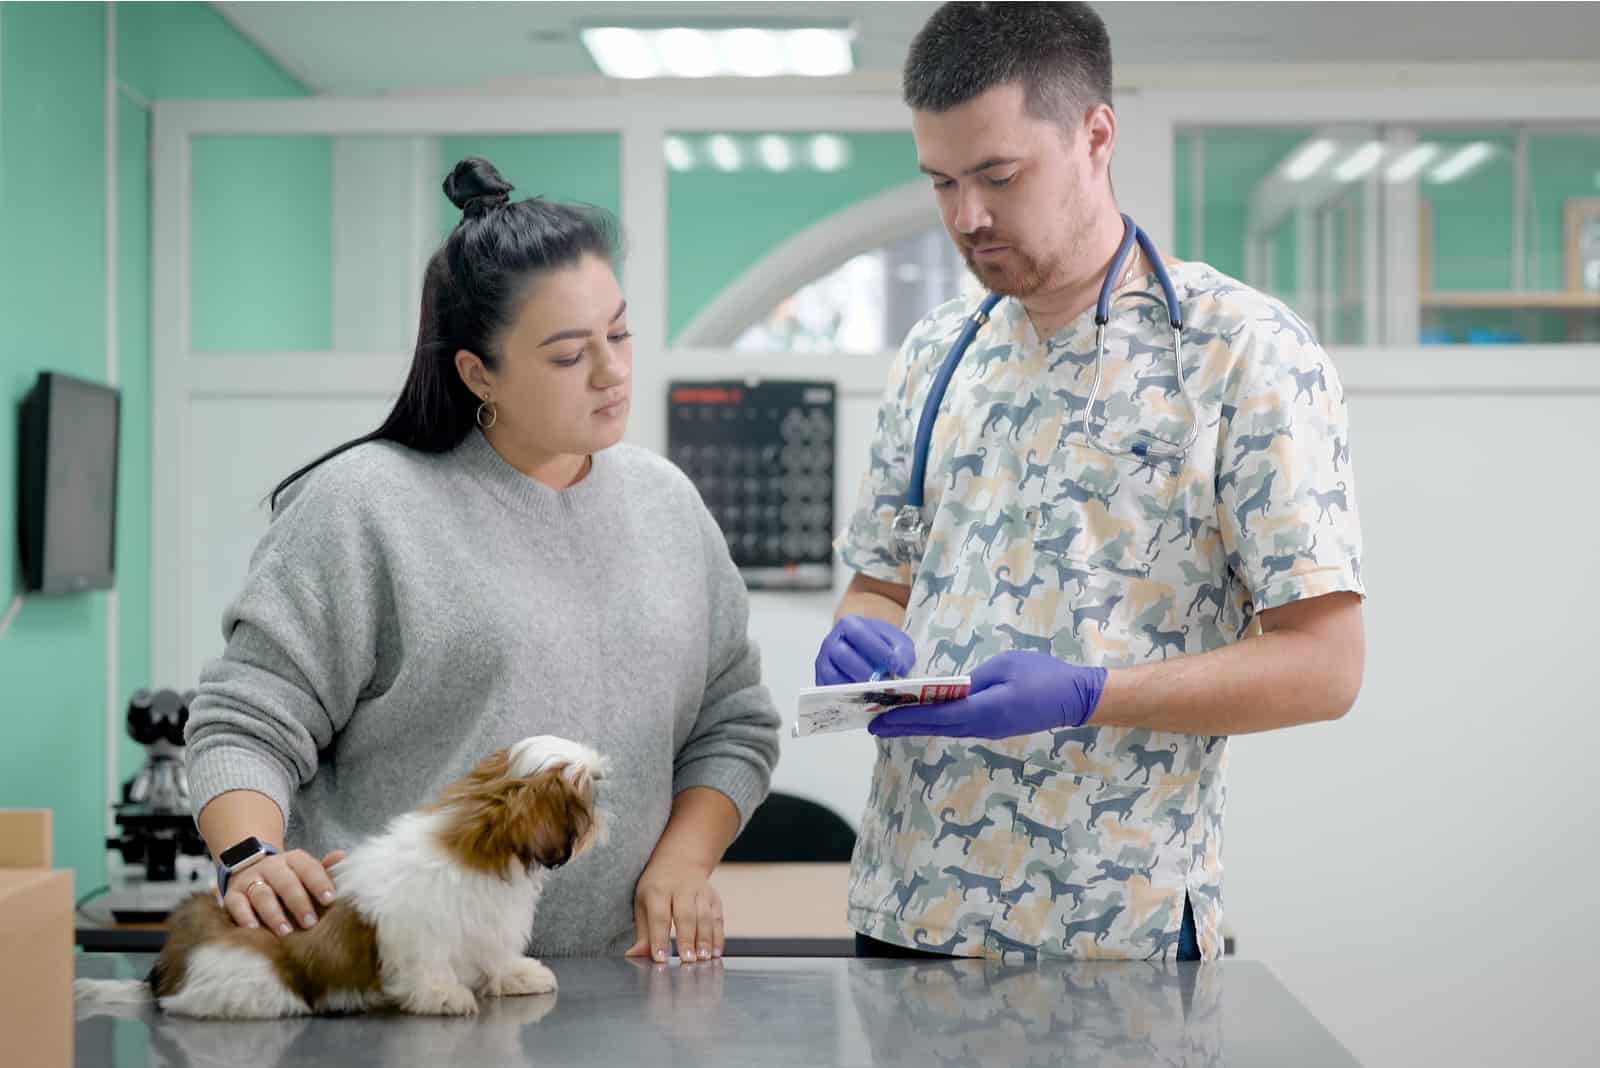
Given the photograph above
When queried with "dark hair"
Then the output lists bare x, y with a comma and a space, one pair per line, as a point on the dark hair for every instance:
471, 292
1060, 53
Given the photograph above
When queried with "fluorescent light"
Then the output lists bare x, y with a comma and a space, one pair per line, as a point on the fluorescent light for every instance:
1308, 160
687, 53
1411, 161
829, 153
725, 154
680, 157
742, 51
1359, 162
622, 53
1464, 161
751, 53
775, 153
819, 53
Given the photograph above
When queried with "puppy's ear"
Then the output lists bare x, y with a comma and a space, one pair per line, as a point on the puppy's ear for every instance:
556, 815
492, 817
482, 816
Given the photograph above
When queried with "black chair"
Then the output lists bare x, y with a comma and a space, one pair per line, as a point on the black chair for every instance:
786, 829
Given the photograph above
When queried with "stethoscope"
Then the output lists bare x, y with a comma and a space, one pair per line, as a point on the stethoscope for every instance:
910, 530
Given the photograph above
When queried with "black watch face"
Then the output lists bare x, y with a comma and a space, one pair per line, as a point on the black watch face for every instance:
237, 854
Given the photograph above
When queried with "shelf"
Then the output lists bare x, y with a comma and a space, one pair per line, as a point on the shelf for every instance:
1545, 301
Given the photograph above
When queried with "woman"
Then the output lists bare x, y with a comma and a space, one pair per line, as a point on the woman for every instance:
491, 563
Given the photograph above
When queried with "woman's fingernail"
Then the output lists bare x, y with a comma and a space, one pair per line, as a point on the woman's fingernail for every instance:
717, 952
308, 919
327, 895
660, 956
284, 928
252, 924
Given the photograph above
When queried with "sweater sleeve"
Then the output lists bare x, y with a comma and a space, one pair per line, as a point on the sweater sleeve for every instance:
301, 646
733, 745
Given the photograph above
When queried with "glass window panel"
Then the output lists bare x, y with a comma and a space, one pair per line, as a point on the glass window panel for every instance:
1344, 314
867, 304
585, 168
1281, 209
1563, 187
261, 265
1507, 222
1183, 187
313, 243
1468, 208
1501, 225
734, 198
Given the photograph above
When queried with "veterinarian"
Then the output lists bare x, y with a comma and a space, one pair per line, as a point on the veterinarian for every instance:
1136, 548
492, 563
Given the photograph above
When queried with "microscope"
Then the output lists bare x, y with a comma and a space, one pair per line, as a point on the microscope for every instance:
158, 857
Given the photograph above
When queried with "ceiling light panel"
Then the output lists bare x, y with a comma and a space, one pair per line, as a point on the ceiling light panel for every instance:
776, 153
736, 52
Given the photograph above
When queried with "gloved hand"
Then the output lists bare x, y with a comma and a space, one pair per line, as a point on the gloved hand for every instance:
858, 646
1012, 693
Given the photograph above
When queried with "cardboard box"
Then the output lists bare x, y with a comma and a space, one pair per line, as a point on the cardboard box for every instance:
36, 944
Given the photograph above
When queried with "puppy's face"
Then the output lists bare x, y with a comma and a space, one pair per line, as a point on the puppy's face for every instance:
532, 803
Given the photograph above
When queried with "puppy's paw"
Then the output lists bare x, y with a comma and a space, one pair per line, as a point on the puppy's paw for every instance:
526, 976
441, 999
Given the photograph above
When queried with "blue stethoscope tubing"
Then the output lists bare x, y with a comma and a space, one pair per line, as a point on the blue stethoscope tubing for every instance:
910, 527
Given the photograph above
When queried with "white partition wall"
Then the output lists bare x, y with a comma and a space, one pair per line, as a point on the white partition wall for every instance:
1419, 873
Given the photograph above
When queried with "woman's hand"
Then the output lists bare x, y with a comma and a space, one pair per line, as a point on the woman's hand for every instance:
677, 894
261, 894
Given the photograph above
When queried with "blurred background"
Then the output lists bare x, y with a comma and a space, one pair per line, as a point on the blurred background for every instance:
223, 209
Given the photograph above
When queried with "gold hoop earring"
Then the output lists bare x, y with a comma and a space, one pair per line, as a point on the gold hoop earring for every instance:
494, 415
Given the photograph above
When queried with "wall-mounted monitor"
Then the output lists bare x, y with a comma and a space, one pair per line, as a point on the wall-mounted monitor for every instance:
67, 484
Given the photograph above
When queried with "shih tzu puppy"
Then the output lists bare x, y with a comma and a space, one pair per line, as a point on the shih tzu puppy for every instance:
429, 915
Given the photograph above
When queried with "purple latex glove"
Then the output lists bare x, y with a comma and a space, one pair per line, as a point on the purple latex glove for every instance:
859, 646
1012, 693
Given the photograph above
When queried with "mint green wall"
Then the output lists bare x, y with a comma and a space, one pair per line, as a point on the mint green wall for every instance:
52, 317
263, 206
188, 51
719, 224
586, 168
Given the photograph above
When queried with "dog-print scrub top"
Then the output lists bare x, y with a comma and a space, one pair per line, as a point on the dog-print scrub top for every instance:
1086, 842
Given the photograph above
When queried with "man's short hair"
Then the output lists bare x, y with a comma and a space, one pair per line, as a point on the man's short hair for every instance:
1059, 53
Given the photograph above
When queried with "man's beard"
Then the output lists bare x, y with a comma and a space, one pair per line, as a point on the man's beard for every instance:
1022, 277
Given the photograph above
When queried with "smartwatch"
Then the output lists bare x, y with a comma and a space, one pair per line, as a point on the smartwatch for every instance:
245, 851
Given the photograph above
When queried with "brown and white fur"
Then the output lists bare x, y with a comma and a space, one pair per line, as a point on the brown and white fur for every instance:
429, 915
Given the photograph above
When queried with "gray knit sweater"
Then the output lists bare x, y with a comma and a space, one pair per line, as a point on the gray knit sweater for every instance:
408, 613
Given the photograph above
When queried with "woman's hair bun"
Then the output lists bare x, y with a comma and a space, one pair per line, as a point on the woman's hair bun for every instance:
475, 186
